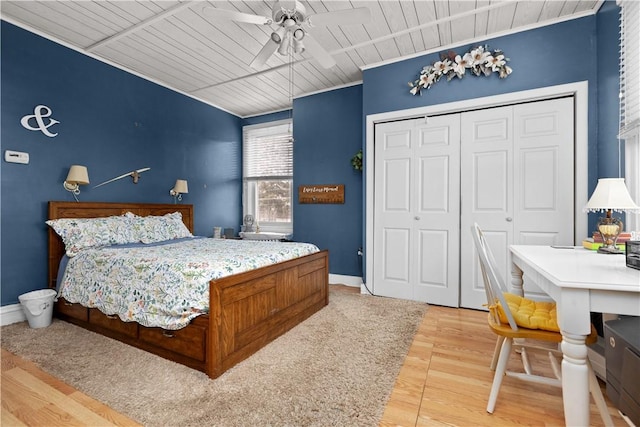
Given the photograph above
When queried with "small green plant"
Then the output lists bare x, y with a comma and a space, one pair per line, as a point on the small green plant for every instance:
356, 161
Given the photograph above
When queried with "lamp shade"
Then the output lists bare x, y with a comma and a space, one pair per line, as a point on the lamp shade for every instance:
78, 175
181, 186
610, 193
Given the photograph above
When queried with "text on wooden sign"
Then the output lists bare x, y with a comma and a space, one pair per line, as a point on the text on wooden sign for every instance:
329, 193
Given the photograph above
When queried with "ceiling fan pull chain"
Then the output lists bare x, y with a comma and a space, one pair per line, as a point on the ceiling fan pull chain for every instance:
291, 86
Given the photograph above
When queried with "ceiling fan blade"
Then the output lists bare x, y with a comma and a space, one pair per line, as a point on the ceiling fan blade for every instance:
318, 52
286, 4
234, 15
264, 54
360, 15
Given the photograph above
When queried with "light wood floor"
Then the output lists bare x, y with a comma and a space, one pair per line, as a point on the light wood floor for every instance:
445, 381
31, 397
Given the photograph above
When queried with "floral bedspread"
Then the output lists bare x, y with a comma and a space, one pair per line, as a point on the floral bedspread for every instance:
165, 285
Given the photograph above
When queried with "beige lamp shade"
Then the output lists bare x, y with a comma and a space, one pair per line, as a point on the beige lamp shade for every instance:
611, 193
78, 175
181, 186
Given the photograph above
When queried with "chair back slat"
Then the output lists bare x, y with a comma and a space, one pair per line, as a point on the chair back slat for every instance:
493, 283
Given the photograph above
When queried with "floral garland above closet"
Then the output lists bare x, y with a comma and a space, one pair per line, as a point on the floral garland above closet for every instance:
479, 60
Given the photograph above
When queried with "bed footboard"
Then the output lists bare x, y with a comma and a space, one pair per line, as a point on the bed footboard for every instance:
249, 310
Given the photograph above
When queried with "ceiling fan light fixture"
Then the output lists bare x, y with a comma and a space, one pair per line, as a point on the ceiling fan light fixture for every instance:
298, 46
288, 23
284, 45
276, 36
298, 34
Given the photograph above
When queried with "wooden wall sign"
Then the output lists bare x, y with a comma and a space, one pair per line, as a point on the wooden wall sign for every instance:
330, 193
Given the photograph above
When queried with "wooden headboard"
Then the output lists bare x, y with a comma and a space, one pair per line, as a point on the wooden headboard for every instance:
59, 210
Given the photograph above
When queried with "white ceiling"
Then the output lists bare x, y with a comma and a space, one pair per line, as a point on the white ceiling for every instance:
175, 44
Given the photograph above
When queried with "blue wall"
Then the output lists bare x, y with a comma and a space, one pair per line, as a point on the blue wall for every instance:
327, 129
547, 56
264, 118
608, 92
112, 122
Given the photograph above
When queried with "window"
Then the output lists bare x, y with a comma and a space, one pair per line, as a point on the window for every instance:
267, 172
629, 66
630, 100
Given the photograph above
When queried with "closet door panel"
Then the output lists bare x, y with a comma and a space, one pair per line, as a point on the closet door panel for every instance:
396, 248
433, 253
487, 194
543, 177
541, 191
397, 183
490, 189
437, 214
434, 184
544, 171
394, 203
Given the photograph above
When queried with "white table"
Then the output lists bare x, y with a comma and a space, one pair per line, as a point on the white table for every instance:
580, 281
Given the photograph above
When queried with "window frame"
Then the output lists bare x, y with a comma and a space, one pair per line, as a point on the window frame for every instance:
250, 185
629, 131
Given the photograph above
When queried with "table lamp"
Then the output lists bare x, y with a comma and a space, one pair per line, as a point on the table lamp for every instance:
610, 195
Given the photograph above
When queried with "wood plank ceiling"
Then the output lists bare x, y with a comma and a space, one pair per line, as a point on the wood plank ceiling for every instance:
176, 44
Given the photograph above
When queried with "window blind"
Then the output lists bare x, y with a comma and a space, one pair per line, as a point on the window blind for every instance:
629, 66
268, 151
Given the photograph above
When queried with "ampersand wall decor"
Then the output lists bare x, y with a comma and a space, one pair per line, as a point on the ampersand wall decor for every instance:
40, 112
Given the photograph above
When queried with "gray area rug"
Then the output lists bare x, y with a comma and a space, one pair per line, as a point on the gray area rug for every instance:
337, 368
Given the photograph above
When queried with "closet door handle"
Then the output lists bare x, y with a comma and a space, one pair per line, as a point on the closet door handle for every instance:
417, 218
509, 219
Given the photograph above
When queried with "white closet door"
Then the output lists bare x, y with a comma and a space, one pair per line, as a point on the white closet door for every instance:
517, 184
394, 206
543, 179
417, 193
437, 211
487, 188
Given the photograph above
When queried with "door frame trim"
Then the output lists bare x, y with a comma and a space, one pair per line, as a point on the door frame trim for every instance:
580, 92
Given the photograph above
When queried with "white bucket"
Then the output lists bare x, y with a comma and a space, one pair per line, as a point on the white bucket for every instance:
38, 307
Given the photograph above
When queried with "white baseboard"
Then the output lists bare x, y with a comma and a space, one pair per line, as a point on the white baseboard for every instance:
11, 314
339, 279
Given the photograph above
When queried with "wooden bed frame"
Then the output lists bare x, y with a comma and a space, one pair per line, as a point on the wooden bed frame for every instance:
247, 310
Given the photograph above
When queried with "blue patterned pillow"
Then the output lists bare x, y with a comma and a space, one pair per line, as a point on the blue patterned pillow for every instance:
82, 233
151, 229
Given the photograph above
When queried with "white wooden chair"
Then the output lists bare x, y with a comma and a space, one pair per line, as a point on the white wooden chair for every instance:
509, 330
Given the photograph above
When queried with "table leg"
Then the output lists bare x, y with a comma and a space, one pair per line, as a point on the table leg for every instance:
575, 380
516, 280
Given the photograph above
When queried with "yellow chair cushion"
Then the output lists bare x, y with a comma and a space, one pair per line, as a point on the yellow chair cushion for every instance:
530, 314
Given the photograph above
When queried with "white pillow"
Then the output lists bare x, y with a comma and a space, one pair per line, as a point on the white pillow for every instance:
151, 229
83, 233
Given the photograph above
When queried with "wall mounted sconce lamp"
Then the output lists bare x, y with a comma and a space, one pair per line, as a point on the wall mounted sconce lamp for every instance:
77, 176
610, 195
179, 189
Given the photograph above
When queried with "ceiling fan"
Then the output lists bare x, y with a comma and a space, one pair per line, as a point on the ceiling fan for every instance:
292, 21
